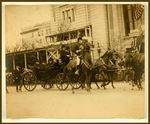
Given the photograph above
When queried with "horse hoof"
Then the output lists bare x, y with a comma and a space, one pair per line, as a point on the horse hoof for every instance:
132, 89
73, 92
88, 90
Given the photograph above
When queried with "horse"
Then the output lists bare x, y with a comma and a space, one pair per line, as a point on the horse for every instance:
135, 62
98, 72
105, 66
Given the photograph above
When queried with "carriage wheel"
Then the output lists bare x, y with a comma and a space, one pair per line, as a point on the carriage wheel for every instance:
76, 84
61, 83
29, 81
47, 85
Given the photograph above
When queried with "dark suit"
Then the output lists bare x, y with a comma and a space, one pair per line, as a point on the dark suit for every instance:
17, 77
64, 55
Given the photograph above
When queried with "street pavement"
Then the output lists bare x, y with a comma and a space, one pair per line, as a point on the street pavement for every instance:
121, 102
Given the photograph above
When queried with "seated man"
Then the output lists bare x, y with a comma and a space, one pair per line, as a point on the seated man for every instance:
51, 62
64, 55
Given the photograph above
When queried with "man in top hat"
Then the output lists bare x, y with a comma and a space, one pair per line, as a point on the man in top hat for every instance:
64, 54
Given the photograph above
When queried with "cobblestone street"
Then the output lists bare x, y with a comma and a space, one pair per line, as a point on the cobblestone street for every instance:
121, 102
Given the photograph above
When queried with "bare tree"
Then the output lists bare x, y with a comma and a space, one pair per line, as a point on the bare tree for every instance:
7, 50
24, 45
63, 26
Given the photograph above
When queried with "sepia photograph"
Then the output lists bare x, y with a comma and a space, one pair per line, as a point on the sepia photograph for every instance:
75, 61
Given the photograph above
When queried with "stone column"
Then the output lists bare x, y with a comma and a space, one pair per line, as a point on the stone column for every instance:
130, 17
46, 56
25, 60
13, 62
108, 24
90, 32
85, 32
38, 57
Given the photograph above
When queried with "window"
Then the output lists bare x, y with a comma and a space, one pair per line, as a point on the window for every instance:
68, 15
48, 39
46, 31
52, 39
82, 32
88, 32
55, 38
39, 33
60, 37
73, 35
66, 36
42, 33
73, 15
126, 20
63, 14
32, 34
40, 40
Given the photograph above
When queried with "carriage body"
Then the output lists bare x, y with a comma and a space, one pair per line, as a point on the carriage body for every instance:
43, 74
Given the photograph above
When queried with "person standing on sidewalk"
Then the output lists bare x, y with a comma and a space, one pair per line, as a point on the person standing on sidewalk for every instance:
17, 78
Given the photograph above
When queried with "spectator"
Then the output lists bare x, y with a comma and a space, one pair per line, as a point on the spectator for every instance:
17, 78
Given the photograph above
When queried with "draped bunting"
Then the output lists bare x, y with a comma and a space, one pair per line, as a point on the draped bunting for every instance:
139, 10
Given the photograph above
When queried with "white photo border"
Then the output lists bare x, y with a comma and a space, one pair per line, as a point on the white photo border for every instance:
32, 120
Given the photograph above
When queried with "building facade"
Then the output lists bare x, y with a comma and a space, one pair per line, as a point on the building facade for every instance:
114, 26
34, 37
104, 25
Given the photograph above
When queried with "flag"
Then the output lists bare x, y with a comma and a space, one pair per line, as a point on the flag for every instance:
138, 12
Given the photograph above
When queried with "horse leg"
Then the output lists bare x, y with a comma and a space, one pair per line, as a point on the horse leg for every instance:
112, 79
103, 85
97, 85
72, 86
104, 80
87, 81
112, 83
90, 85
140, 82
72, 81
109, 80
21, 84
82, 83
73, 90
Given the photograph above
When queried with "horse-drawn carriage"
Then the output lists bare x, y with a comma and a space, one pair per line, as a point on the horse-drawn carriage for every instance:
65, 75
48, 75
